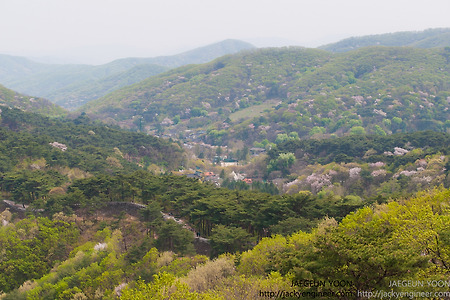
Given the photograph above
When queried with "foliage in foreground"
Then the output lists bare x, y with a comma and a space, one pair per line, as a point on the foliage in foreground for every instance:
404, 240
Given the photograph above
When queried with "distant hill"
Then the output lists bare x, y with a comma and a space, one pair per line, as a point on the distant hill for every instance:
195, 56
256, 95
10, 98
15, 67
80, 92
430, 38
72, 85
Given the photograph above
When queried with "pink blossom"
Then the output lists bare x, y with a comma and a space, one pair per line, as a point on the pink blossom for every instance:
354, 172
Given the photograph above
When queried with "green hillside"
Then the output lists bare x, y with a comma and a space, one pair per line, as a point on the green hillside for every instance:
9, 98
309, 92
73, 85
430, 38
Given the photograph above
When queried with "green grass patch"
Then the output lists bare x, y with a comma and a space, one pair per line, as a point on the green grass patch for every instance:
253, 111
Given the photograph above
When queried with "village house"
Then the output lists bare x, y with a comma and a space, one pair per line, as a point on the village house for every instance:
257, 151
248, 180
209, 174
229, 162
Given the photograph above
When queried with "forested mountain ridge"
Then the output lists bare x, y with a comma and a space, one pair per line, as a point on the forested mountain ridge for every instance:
255, 95
430, 38
72, 85
9, 98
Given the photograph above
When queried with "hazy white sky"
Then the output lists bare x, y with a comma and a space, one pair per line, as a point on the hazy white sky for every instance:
101, 30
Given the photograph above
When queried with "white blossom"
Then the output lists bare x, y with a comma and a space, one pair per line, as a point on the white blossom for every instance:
358, 99
296, 181
100, 246
59, 146
400, 151
408, 173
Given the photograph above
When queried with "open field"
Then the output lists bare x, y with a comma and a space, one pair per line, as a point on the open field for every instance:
253, 111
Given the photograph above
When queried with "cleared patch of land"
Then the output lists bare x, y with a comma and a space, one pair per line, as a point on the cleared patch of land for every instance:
253, 111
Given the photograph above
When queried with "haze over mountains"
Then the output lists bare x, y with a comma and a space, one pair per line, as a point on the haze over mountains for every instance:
71, 85
431, 38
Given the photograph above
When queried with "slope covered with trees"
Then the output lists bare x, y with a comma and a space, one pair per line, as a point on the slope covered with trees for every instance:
373, 250
362, 165
40, 156
259, 94
9, 98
